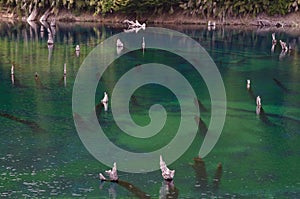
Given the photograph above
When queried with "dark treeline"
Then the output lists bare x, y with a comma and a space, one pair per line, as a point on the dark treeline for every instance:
219, 9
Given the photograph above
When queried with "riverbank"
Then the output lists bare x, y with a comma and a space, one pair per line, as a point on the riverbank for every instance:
289, 20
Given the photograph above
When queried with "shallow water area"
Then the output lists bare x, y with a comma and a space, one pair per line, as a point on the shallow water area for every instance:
42, 155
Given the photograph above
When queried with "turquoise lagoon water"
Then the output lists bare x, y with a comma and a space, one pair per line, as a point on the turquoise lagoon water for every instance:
42, 155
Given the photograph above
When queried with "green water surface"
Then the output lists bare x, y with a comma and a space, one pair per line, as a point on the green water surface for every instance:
42, 155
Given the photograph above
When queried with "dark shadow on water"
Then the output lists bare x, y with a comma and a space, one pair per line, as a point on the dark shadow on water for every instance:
199, 104
238, 62
278, 83
99, 108
63, 81
201, 125
251, 94
264, 114
263, 117
128, 186
39, 83
168, 190
284, 88
259, 110
33, 125
134, 100
133, 189
81, 123
202, 176
15, 82
217, 177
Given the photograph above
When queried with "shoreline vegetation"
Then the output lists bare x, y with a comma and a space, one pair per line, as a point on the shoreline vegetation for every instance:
261, 13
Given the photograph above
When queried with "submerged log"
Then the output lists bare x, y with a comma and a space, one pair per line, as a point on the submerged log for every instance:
201, 175
31, 124
218, 176
133, 189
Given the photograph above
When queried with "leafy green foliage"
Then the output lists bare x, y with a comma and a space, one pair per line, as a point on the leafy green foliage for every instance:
201, 8
220, 8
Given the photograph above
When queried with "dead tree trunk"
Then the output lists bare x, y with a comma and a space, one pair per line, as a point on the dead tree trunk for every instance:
33, 14
45, 15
